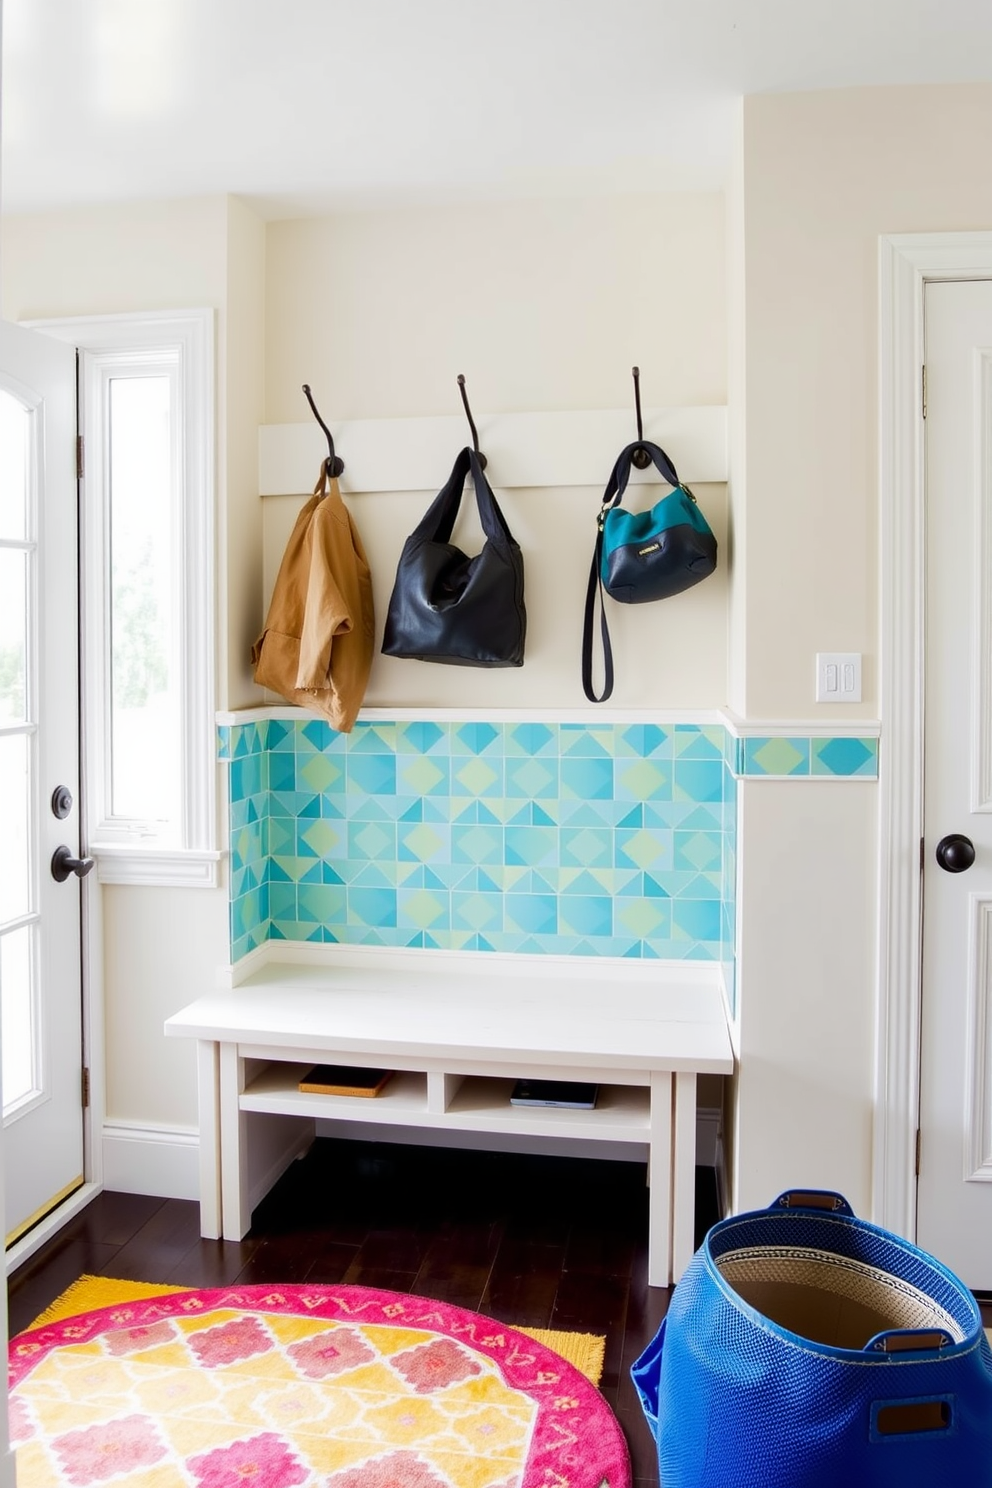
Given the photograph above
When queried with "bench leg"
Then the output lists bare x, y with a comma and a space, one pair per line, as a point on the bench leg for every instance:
208, 1099
660, 1183
234, 1155
683, 1173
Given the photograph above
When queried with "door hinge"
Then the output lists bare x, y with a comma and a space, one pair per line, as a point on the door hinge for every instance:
86, 1087
80, 456
923, 387
919, 1144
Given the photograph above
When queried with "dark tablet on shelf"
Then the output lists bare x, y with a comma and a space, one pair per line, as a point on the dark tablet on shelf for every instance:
578, 1096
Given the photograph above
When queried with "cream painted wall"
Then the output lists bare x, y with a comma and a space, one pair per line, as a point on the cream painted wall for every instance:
824, 174
239, 574
543, 305
805, 976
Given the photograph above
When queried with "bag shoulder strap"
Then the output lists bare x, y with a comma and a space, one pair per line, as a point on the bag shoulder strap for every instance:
596, 583
438, 522
612, 496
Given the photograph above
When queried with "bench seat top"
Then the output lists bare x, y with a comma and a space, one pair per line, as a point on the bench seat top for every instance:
661, 1020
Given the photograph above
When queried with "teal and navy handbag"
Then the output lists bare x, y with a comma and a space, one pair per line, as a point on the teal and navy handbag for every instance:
641, 556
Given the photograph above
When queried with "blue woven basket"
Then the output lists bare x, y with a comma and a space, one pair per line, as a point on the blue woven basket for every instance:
805, 1348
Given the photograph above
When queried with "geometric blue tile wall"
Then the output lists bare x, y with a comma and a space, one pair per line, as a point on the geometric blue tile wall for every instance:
558, 838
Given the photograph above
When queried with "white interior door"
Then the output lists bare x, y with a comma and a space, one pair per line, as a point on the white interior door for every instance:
40, 959
955, 1181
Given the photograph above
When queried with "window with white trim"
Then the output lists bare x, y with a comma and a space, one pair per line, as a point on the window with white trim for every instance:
146, 399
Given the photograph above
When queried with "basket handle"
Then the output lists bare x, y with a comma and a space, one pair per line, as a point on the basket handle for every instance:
813, 1198
908, 1341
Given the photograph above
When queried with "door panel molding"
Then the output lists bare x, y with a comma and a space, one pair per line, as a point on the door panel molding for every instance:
906, 262
977, 1147
981, 765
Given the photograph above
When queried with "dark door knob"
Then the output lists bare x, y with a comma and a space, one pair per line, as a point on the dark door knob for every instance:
63, 863
955, 853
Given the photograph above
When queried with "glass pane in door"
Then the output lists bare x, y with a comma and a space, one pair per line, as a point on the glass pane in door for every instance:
15, 805
13, 635
15, 428
19, 1018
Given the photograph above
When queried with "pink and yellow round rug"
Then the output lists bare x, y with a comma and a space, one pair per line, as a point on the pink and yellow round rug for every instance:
288, 1387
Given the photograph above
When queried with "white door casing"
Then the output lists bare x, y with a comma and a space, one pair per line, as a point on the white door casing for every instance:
954, 1206
906, 263
43, 1130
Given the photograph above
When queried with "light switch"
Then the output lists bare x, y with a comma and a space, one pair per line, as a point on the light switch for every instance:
838, 677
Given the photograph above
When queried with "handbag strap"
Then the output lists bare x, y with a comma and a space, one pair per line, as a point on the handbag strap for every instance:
620, 475
438, 522
596, 583
615, 487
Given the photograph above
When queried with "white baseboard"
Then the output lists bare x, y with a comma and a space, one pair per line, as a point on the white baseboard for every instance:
145, 1158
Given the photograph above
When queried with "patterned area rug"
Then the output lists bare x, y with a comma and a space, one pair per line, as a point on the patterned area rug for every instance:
261, 1387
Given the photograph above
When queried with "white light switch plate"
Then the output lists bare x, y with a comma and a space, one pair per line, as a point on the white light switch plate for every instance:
838, 676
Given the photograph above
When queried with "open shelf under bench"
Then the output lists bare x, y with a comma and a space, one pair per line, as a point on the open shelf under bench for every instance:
458, 1034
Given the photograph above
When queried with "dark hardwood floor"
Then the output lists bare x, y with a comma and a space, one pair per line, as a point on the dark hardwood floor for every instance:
534, 1241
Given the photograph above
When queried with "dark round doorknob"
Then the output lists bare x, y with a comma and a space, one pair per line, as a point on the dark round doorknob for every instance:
955, 853
63, 863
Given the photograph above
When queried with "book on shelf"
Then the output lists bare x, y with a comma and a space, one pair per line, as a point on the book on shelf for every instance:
574, 1094
344, 1079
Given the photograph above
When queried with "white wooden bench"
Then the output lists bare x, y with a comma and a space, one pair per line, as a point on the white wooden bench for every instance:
458, 1031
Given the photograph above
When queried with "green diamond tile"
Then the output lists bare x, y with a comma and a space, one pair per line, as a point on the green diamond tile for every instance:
476, 776
423, 842
641, 781
319, 772
642, 917
323, 838
421, 775
421, 908
778, 757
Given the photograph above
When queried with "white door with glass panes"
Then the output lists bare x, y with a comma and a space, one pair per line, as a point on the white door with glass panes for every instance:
40, 861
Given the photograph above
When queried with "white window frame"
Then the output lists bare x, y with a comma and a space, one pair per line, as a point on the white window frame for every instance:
134, 851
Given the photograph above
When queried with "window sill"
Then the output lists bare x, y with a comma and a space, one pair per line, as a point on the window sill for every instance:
157, 867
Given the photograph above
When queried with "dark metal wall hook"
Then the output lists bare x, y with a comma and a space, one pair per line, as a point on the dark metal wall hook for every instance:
471, 421
640, 457
334, 464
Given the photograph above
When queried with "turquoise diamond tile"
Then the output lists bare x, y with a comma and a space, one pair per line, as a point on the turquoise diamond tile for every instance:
477, 777
424, 775
373, 738
423, 909
534, 779
315, 735
579, 741
698, 780
643, 849
476, 844
424, 842
530, 845
464, 812
373, 907
645, 740
644, 918
322, 838
373, 774
697, 850
644, 780
225, 747
422, 737
693, 742
848, 757
587, 813
475, 738
531, 739
528, 880
279, 736
587, 846
586, 915
282, 771
531, 815
534, 913
776, 756
587, 779
696, 919
375, 840
282, 901
322, 904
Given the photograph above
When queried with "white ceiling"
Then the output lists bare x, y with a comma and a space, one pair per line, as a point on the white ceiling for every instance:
306, 106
